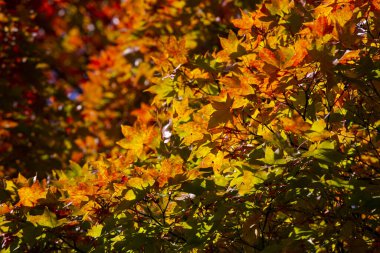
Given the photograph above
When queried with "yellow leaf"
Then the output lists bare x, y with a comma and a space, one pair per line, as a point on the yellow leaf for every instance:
221, 180
130, 195
95, 231
118, 189
190, 132
295, 124
136, 182
249, 180
279, 7
47, 219
136, 139
318, 126
269, 155
182, 110
21, 180
214, 161
317, 131
343, 15
231, 43
247, 184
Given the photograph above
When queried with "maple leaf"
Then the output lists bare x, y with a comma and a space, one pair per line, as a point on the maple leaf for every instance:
78, 194
343, 14
4, 208
245, 22
29, 196
231, 48
130, 195
190, 132
236, 86
269, 57
321, 26
279, 7
95, 231
170, 168
47, 219
164, 90
136, 139
299, 53
215, 161
143, 114
222, 113
295, 124
174, 53
317, 131
21, 180
261, 19
182, 111
350, 57
118, 189
247, 182
139, 183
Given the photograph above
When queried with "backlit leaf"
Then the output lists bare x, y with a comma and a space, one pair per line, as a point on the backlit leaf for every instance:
29, 196
95, 231
47, 219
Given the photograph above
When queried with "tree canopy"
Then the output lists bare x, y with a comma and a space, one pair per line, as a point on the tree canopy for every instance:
190, 126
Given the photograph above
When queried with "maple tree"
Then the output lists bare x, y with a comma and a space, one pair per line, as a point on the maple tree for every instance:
77, 70
252, 127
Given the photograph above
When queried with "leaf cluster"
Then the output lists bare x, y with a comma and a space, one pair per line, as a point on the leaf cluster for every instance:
268, 142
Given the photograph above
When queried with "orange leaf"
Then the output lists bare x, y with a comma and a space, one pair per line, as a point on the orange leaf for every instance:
350, 56
143, 114
29, 196
300, 52
296, 124
322, 26
376, 4
4, 208
170, 169
269, 57
245, 23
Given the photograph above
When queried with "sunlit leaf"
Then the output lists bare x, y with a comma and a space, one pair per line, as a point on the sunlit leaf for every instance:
47, 219
29, 196
95, 231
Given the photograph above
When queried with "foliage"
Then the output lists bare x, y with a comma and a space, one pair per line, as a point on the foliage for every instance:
266, 143
76, 70
44, 51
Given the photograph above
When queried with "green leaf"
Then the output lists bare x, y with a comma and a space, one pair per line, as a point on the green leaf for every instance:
165, 89
221, 180
75, 170
325, 152
269, 155
47, 219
